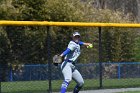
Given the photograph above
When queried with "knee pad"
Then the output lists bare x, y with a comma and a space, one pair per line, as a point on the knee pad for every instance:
68, 80
80, 84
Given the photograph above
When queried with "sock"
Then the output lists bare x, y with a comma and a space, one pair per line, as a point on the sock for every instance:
64, 86
76, 89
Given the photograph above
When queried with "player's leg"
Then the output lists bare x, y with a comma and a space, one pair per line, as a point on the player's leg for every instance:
67, 73
79, 80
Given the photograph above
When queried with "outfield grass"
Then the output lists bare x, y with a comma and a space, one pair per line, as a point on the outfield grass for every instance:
42, 86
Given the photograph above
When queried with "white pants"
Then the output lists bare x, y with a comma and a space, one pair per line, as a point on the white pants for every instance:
70, 72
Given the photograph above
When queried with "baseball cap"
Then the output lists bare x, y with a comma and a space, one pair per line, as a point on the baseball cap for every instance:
76, 34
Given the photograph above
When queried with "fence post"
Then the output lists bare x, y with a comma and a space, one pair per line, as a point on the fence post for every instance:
0, 76
11, 73
0, 83
49, 58
100, 56
119, 71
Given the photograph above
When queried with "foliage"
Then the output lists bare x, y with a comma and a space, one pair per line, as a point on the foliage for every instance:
137, 49
117, 43
28, 44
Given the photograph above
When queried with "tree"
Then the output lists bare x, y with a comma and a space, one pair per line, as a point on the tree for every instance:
115, 40
28, 43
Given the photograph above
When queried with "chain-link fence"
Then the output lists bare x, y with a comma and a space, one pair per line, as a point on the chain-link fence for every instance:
34, 78
26, 58
36, 42
23, 47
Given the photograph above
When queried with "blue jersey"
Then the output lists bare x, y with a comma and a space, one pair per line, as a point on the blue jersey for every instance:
74, 51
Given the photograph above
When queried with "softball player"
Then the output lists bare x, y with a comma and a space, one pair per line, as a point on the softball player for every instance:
68, 65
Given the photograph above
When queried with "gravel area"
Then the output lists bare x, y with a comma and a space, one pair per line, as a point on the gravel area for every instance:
108, 90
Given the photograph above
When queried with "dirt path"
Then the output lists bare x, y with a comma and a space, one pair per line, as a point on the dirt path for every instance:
110, 90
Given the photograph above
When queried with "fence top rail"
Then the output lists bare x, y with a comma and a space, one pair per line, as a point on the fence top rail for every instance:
136, 63
89, 64
72, 24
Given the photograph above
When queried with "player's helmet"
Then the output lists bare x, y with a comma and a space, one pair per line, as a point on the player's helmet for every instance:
76, 34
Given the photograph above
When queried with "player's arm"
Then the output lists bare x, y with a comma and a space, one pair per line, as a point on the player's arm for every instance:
83, 43
65, 52
57, 59
87, 44
70, 48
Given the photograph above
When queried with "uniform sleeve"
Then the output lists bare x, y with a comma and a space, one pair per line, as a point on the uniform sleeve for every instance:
66, 51
71, 46
81, 43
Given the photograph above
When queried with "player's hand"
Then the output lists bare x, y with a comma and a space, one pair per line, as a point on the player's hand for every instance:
89, 45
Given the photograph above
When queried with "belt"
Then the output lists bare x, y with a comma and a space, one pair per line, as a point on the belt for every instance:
70, 61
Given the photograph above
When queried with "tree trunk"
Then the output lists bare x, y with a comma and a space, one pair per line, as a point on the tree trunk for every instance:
125, 6
138, 16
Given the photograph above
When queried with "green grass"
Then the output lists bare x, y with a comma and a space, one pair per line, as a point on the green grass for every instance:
42, 86
122, 83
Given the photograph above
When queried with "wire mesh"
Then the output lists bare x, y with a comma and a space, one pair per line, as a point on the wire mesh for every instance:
34, 77
24, 58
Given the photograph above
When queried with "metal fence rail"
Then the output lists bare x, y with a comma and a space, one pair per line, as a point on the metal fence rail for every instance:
30, 77
110, 70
